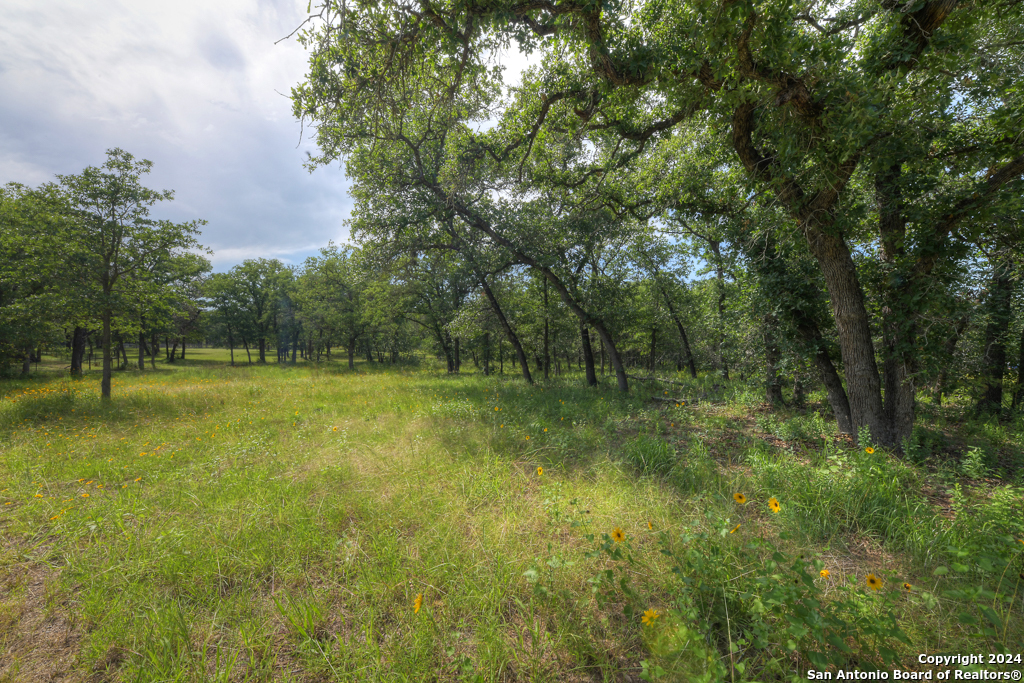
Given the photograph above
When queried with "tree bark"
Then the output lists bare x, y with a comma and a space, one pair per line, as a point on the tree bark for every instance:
458, 360
231, 345
248, 354
773, 385
588, 355
263, 350
513, 338
142, 351
183, 348
78, 341
994, 354
26, 365
547, 354
487, 354
683, 339
1018, 395
720, 280
107, 356
351, 348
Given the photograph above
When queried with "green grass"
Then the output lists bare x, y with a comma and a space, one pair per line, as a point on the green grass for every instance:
279, 522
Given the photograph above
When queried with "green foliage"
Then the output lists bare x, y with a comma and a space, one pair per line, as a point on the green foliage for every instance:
650, 455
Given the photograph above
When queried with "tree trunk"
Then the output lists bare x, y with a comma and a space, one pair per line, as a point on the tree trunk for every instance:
248, 354
683, 339
153, 350
654, 337
142, 352
458, 360
78, 341
773, 385
815, 216
720, 281
107, 356
183, 348
351, 348
487, 354
513, 338
994, 354
547, 353
446, 346
231, 345
588, 356
855, 343
26, 366
263, 350
837, 398
1018, 395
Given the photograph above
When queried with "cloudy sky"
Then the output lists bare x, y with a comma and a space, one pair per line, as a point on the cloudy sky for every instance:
198, 88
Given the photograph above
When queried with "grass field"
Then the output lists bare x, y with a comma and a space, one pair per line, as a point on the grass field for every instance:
300, 523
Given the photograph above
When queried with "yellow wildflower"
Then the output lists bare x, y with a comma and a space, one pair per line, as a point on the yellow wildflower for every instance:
618, 535
824, 573
417, 604
874, 583
739, 498
869, 450
773, 505
540, 471
735, 529
907, 587
649, 616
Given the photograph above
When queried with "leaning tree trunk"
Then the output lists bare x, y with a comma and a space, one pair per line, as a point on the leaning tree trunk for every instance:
683, 339
481, 224
507, 327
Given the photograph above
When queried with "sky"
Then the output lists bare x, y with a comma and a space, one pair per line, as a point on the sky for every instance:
198, 88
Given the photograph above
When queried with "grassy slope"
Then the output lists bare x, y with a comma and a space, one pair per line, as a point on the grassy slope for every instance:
278, 523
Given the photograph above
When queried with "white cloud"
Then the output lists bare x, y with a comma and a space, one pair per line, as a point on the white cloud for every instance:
193, 86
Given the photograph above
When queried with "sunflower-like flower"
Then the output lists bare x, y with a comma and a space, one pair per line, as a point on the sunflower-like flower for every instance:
540, 471
649, 616
735, 529
650, 525
739, 498
874, 583
907, 587
869, 450
417, 603
824, 573
773, 505
618, 535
